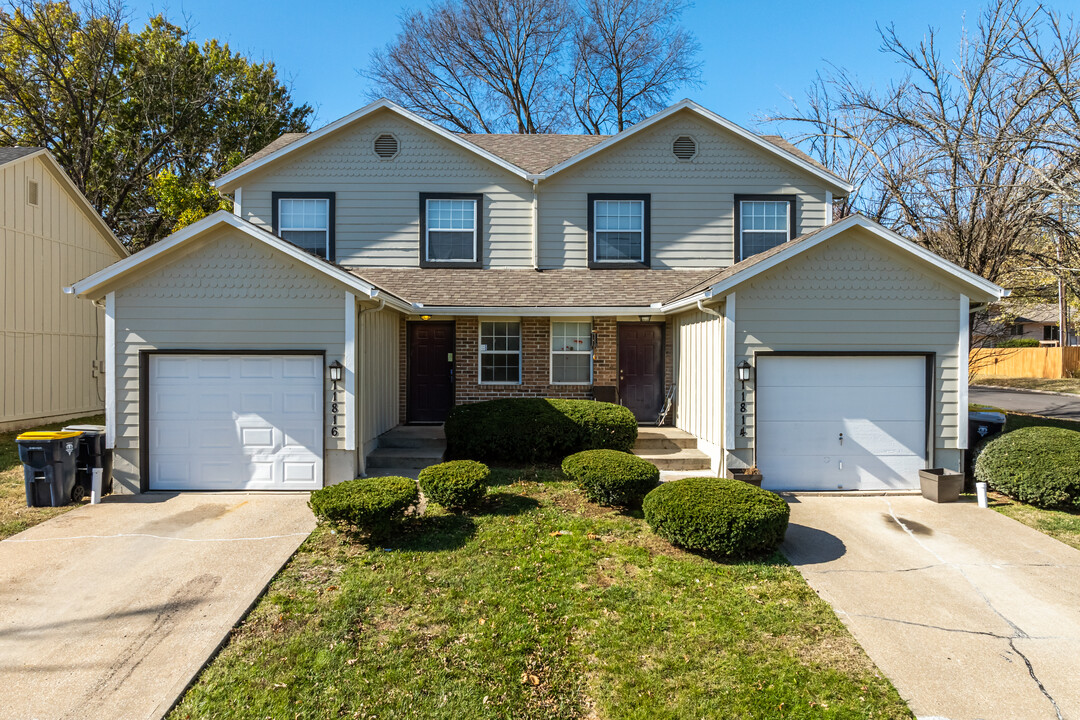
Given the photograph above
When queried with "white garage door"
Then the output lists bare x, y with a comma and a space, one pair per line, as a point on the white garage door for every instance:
841, 423
235, 422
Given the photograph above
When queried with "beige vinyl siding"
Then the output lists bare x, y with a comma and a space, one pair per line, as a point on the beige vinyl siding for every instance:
227, 292
699, 377
378, 201
48, 340
692, 201
379, 357
851, 295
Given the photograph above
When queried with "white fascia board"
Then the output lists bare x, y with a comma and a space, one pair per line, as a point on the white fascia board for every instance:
837, 182
383, 104
830, 231
420, 309
89, 285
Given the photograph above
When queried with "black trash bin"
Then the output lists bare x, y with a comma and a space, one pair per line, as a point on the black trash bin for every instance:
982, 424
93, 455
49, 462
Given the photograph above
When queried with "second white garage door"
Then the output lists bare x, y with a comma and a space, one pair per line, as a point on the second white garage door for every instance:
235, 422
841, 422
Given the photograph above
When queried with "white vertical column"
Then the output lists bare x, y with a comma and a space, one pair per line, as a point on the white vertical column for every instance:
110, 371
237, 203
729, 374
349, 374
962, 352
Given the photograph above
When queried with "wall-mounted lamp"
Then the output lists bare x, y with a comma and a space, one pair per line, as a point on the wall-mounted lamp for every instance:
745, 370
425, 317
644, 318
336, 369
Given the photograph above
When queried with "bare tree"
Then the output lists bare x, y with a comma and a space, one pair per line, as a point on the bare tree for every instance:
480, 65
629, 57
971, 158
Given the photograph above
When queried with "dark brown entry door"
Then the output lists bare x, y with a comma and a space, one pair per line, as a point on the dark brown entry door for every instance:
431, 371
641, 369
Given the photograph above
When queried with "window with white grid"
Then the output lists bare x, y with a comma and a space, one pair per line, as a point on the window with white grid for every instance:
763, 224
619, 231
571, 352
451, 230
306, 222
500, 352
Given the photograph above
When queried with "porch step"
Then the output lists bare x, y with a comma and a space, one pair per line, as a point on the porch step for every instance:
414, 436
395, 457
663, 437
682, 459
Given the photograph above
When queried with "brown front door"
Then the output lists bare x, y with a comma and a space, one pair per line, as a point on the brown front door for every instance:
430, 386
641, 369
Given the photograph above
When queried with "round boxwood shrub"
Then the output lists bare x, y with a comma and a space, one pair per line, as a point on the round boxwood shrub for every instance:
456, 485
729, 518
526, 430
610, 477
374, 505
1036, 465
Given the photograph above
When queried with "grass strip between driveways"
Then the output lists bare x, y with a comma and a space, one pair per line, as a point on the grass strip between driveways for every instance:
14, 515
1061, 385
497, 615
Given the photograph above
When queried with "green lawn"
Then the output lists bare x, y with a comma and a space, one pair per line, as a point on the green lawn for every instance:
540, 606
14, 515
1062, 385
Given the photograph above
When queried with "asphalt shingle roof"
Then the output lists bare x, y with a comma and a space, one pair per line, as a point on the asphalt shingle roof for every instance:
8, 154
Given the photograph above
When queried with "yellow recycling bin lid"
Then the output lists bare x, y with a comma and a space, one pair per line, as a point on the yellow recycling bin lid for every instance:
46, 435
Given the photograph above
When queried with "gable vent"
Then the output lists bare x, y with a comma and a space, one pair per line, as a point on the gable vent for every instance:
386, 146
32, 192
684, 147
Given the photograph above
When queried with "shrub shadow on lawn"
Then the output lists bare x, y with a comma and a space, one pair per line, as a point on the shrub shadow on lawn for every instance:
434, 533
501, 503
505, 475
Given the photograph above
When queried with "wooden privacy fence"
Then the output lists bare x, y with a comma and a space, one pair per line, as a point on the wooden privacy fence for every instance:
1034, 362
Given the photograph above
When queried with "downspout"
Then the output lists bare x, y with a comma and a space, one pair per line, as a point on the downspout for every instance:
361, 386
536, 224
707, 311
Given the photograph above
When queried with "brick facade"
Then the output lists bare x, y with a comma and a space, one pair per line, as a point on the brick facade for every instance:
535, 362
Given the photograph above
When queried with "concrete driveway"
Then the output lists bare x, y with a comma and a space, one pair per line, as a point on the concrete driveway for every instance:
109, 611
969, 613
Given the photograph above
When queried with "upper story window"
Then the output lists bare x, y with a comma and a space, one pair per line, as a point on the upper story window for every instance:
450, 230
307, 220
619, 231
571, 352
762, 222
1016, 330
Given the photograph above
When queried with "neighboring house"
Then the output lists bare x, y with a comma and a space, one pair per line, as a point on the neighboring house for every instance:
52, 349
439, 268
1009, 321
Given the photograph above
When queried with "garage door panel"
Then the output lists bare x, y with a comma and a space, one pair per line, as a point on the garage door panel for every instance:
236, 422
804, 404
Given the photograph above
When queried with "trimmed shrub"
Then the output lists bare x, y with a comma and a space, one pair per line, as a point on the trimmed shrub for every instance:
456, 485
717, 516
611, 477
1037, 465
374, 505
1019, 343
526, 430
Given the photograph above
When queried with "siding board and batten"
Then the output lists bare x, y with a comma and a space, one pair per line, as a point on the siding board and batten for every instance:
699, 373
48, 340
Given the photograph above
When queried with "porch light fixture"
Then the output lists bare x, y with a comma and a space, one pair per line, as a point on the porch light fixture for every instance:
644, 318
744, 369
335, 371
425, 317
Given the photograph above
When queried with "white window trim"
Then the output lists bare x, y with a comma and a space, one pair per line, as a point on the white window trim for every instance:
552, 353
641, 234
427, 230
481, 353
743, 230
282, 229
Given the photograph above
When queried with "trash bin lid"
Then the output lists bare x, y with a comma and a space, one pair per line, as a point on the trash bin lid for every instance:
987, 417
100, 429
48, 435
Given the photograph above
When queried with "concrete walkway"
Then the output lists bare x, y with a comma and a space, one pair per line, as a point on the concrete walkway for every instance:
109, 611
969, 613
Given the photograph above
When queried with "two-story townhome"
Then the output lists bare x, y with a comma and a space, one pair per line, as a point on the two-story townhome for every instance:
685, 262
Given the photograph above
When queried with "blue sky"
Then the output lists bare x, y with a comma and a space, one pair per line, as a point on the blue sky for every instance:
756, 54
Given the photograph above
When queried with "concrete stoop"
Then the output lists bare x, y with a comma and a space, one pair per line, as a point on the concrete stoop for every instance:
406, 450
671, 450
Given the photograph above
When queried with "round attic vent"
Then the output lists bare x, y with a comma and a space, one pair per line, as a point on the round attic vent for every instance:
386, 146
684, 147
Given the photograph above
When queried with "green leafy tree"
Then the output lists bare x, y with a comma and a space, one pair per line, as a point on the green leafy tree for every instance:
142, 121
